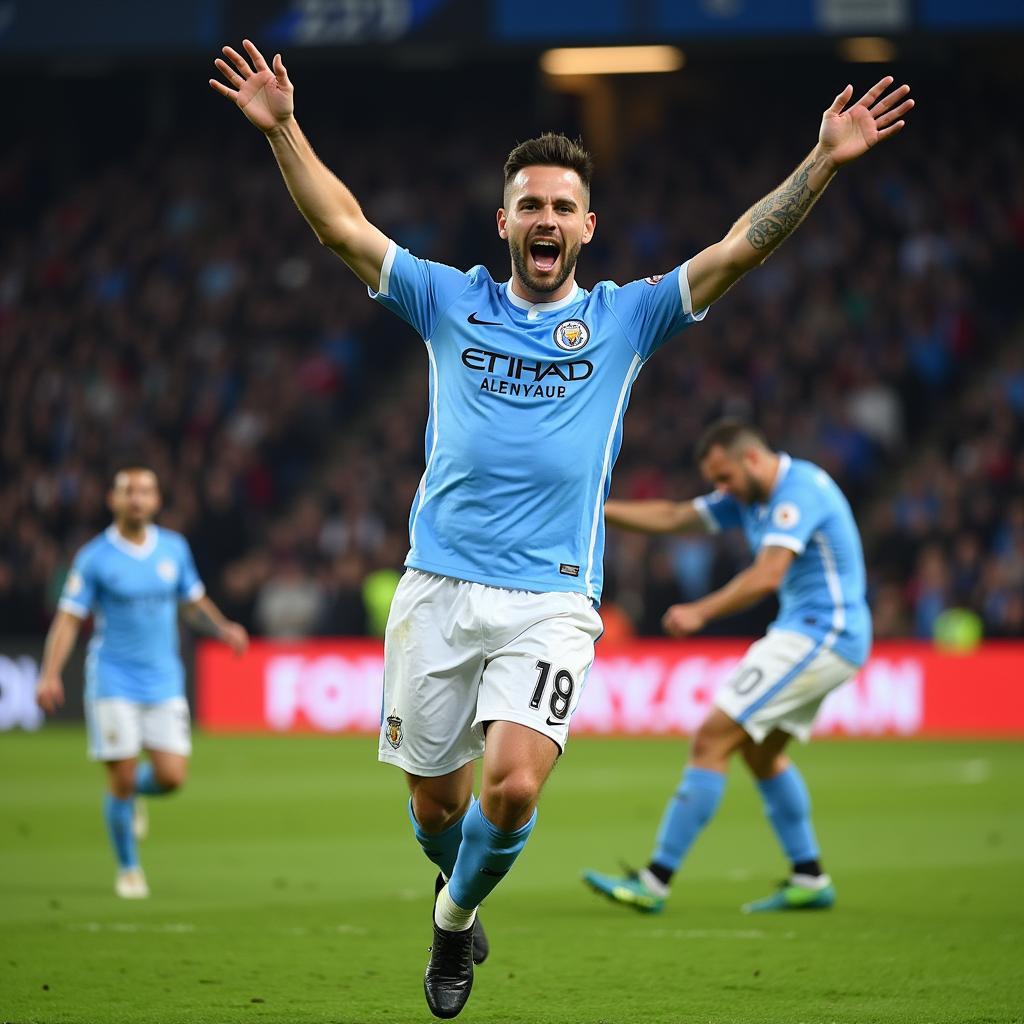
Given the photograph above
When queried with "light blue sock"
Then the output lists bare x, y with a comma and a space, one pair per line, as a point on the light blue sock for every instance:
442, 847
485, 857
691, 808
788, 806
118, 816
145, 780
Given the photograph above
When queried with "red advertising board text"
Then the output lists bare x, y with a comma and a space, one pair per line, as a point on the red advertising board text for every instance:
646, 688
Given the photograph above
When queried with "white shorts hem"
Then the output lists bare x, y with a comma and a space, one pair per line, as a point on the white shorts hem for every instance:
533, 724
428, 773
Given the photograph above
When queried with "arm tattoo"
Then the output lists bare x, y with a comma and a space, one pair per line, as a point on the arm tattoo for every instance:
775, 216
198, 619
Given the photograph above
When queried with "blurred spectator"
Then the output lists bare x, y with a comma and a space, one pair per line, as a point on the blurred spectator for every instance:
290, 603
344, 611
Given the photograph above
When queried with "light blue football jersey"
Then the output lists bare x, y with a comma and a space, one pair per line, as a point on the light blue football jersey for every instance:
823, 594
133, 590
525, 417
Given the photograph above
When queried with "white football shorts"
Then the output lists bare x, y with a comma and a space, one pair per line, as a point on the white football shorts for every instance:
119, 729
780, 684
459, 654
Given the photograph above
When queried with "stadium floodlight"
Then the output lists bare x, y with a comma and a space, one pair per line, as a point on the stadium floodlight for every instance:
867, 50
612, 60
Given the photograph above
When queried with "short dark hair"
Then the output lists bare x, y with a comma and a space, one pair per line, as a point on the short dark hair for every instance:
551, 150
129, 466
730, 433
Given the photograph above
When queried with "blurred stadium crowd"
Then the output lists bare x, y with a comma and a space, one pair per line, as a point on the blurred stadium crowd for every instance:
171, 306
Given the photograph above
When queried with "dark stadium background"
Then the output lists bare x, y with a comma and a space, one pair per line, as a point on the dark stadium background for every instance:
161, 297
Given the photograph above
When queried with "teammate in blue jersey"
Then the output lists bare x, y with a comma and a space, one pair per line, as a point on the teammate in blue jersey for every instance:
492, 629
132, 579
808, 551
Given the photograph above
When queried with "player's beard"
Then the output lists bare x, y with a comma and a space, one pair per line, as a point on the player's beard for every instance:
133, 522
755, 492
535, 284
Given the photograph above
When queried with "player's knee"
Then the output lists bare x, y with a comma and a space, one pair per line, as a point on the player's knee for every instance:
122, 782
770, 766
171, 779
708, 745
436, 812
510, 800
121, 790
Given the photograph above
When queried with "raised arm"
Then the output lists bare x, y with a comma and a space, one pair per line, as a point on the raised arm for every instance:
265, 96
657, 516
60, 642
846, 134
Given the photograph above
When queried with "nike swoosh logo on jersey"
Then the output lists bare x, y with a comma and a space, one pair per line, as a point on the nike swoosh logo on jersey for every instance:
483, 323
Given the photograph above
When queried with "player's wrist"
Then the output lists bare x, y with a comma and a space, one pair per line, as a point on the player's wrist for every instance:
281, 129
824, 165
702, 613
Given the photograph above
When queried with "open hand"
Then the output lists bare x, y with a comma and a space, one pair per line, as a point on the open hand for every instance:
262, 93
849, 133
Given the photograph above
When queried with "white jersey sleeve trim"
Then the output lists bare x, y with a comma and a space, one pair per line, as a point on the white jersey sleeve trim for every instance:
684, 295
835, 587
65, 604
385, 272
782, 540
710, 522
634, 369
422, 489
196, 591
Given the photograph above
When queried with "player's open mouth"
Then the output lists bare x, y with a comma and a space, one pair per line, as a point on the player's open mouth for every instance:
545, 255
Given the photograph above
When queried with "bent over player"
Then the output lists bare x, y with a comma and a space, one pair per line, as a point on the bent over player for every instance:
132, 577
808, 550
492, 628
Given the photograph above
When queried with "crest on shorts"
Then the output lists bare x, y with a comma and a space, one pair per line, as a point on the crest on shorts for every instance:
167, 570
393, 731
572, 335
786, 515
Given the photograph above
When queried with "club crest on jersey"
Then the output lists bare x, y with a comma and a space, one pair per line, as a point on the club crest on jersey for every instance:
167, 570
786, 515
572, 335
654, 278
393, 732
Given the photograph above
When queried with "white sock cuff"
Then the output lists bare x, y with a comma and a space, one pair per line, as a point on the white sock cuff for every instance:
810, 881
656, 885
449, 916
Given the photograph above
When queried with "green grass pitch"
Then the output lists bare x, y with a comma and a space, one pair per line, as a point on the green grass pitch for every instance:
287, 888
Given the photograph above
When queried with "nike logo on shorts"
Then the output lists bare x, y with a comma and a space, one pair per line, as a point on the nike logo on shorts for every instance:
472, 318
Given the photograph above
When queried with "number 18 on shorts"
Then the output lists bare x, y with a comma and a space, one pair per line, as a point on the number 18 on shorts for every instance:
458, 655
